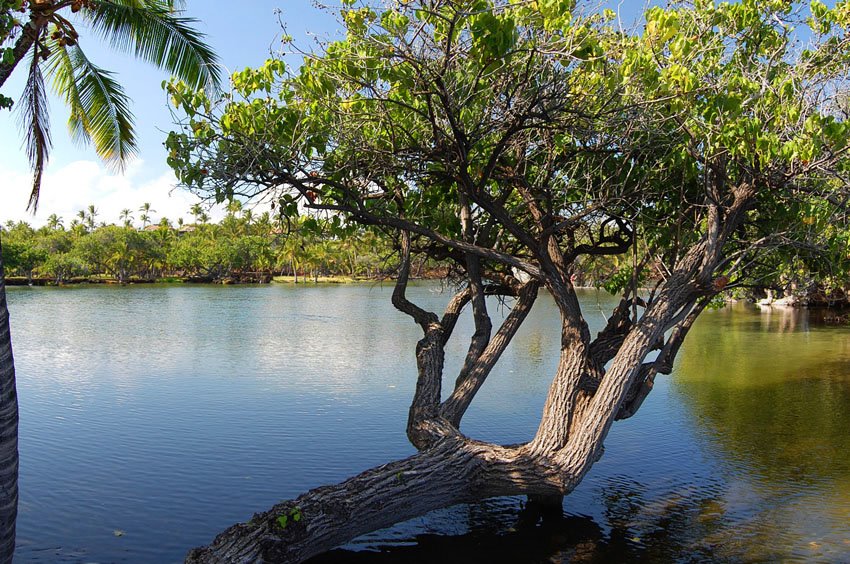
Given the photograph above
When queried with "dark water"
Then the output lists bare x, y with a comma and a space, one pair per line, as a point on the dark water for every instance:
153, 417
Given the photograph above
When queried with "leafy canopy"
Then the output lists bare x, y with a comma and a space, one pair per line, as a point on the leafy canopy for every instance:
543, 123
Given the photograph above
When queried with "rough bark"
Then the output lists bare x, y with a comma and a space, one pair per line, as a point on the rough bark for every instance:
8, 431
453, 471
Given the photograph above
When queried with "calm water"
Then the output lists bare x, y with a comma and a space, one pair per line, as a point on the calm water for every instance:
153, 417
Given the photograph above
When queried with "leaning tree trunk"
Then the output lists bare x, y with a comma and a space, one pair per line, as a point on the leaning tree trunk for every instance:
455, 470
8, 431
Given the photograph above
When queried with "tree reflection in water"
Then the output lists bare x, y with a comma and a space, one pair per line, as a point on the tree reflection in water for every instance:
637, 527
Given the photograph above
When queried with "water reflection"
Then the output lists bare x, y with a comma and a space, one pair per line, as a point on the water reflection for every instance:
638, 527
771, 392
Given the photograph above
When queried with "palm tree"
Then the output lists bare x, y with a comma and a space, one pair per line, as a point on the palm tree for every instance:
127, 216
8, 431
146, 214
89, 217
196, 210
54, 222
81, 217
153, 31
233, 207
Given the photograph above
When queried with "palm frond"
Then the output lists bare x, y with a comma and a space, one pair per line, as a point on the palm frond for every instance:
34, 120
151, 30
63, 73
100, 109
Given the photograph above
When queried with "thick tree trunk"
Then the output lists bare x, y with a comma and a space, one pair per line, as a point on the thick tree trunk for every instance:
8, 431
453, 471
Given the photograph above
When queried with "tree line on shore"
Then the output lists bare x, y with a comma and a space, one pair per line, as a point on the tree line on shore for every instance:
254, 247
243, 247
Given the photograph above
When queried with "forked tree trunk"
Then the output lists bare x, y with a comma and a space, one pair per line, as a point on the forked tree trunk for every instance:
8, 431
597, 381
451, 468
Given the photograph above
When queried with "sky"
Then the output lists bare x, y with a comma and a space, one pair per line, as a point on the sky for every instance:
75, 178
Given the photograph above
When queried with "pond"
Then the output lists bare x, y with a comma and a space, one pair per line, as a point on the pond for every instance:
153, 417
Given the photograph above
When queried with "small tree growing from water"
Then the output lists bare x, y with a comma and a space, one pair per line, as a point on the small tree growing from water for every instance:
515, 140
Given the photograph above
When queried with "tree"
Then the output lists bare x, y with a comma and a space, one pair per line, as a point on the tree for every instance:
196, 211
99, 113
54, 222
513, 140
8, 429
127, 217
90, 216
119, 251
146, 211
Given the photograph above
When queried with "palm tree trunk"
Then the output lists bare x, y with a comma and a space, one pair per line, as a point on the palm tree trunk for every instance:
22, 45
8, 431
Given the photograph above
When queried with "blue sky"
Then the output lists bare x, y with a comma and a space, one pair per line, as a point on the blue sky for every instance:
242, 36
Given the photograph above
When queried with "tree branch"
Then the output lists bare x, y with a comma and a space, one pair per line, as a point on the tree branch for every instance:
469, 383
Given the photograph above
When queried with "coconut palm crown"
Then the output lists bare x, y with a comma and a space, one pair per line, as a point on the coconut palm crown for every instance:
153, 30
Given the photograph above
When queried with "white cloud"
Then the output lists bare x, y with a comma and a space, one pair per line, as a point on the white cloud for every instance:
78, 184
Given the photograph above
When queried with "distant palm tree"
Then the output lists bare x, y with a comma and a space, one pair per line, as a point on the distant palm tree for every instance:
196, 210
54, 222
100, 114
89, 217
146, 213
233, 207
127, 216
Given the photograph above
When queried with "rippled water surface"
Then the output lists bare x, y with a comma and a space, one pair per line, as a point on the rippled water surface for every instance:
153, 417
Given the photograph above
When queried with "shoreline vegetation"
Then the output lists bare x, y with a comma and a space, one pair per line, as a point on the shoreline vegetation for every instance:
243, 279
817, 300
243, 247
249, 248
